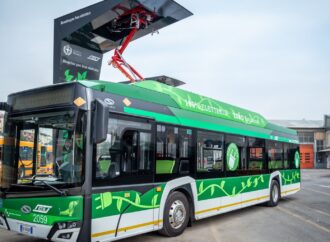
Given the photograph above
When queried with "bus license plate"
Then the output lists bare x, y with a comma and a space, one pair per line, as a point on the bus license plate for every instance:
26, 229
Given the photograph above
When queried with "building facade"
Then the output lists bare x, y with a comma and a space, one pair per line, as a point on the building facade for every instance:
314, 138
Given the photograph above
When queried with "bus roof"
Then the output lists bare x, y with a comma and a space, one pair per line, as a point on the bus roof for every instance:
190, 109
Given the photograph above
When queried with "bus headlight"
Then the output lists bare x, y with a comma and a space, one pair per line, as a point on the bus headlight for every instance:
68, 225
65, 235
64, 230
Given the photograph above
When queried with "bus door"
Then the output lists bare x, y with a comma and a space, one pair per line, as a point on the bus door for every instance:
124, 194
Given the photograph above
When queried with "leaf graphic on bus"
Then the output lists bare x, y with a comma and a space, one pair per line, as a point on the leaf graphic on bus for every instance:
119, 204
154, 200
137, 199
212, 190
222, 184
262, 179
106, 200
255, 181
243, 184
201, 187
234, 191
249, 183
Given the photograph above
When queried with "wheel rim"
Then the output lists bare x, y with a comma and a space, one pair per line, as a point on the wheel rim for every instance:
177, 214
275, 193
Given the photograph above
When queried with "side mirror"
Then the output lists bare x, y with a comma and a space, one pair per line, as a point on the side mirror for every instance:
100, 121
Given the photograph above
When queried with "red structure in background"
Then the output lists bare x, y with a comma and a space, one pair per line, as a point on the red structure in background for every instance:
307, 156
134, 19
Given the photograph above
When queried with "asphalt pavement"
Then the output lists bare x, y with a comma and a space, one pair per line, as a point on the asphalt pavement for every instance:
302, 217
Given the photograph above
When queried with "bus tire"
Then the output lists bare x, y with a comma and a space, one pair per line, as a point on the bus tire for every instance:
275, 194
176, 215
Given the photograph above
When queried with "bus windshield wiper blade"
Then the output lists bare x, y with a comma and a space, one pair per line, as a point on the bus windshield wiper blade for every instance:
60, 192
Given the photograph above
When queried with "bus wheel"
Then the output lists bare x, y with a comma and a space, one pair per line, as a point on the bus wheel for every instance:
274, 194
176, 215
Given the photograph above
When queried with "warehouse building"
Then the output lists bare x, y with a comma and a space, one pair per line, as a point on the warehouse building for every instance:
314, 138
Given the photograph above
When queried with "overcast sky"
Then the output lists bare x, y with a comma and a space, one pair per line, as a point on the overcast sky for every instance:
269, 56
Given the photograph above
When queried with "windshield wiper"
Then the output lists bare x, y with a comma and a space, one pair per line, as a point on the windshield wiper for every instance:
60, 192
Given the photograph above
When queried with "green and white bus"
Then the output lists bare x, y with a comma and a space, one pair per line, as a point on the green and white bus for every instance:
133, 158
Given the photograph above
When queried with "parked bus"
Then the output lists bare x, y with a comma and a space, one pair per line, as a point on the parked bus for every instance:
140, 157
44, 155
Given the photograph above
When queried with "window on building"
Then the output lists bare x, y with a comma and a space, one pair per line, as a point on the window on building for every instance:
328, 139
319, 145
275, 155
306, 136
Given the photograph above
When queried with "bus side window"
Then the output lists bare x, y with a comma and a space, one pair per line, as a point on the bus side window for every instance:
275, 155
256, 148
125, 157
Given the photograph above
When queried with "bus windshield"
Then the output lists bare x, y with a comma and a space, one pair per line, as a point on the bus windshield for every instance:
46, 148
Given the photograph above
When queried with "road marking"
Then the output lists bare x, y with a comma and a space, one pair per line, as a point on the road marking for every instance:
312, 190
314, 209
324, 186
303, 219
215, 234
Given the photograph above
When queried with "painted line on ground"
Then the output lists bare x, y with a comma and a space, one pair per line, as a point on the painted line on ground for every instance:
303, 205
312, 190
303, 219
324, 186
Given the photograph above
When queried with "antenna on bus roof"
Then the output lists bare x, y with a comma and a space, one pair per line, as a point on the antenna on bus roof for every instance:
82, 37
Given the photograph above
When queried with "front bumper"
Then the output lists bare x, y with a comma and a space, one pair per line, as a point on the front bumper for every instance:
38, 230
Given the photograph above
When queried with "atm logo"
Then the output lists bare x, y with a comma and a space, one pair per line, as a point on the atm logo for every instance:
93, 58
42, 209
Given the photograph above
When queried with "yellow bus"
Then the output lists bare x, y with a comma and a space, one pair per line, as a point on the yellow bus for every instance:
44, 158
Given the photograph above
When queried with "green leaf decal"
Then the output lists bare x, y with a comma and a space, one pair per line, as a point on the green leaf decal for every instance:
222, 184
68, 76
255, 181
154, 200
106, 199
243, 184
212, 190
119, 204
201, 187
234, 191
249, 183
137, 199
82, 76
262, 179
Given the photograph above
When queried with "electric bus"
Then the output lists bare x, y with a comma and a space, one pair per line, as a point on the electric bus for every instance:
134, 158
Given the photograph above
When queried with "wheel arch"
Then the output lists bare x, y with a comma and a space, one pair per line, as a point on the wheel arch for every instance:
187, 186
